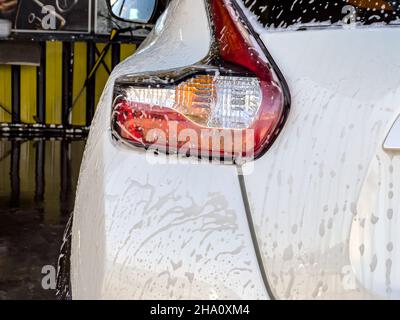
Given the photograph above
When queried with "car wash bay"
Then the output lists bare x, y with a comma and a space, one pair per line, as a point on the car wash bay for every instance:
37, 183
41, 148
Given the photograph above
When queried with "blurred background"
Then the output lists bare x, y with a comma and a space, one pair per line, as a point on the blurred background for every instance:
38, 178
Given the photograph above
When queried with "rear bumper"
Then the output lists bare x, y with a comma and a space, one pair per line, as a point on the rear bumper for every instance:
159, 231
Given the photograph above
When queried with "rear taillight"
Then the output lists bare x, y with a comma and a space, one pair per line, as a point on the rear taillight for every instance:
230, 107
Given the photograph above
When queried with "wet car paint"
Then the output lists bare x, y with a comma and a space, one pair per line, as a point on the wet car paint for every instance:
37, 190
325, 222
147, 230
304, 194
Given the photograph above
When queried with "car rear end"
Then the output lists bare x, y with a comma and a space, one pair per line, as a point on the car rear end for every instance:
296, 199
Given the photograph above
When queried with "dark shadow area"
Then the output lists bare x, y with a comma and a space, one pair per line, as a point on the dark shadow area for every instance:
37, 189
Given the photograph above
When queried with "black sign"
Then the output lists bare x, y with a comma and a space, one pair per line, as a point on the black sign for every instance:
50, 16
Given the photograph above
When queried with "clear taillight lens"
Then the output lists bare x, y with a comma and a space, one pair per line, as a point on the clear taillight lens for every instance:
230, 108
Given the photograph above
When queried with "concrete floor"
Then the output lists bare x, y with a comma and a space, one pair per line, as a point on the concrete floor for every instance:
37, 189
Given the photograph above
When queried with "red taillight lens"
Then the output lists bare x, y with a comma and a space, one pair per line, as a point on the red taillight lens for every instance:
230, 108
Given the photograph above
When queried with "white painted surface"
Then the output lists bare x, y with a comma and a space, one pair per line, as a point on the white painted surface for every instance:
325, 198
392, 142
144, 231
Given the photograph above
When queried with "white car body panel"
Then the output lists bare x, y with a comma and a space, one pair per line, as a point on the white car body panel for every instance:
324, 198
392, 142
147, 231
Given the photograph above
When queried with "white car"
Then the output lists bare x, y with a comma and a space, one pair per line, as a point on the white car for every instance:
247, 150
